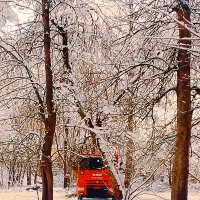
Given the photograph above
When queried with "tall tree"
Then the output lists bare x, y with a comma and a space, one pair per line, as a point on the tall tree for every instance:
184, 115
50, 120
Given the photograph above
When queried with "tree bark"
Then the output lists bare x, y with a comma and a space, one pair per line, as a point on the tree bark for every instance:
180, 169
129, 165
65, 164
50, 120
28, 173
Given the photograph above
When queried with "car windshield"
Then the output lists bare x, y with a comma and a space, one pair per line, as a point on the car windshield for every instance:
91, 164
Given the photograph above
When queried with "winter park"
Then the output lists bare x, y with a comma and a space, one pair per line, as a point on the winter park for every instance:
100, 100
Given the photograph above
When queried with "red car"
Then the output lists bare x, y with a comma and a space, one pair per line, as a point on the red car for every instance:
93, 181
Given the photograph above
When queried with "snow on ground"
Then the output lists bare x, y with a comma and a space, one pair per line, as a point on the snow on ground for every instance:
164, 196
22, 194
61, 194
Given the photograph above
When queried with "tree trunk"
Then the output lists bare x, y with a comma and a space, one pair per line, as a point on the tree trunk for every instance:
46, 165
184, 115
65, 164
50, 121
28, 171
129, 166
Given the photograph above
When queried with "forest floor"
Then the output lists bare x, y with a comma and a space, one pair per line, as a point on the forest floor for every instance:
61, 194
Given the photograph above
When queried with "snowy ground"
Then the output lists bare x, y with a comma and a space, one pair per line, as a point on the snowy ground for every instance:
164, 196
60, 194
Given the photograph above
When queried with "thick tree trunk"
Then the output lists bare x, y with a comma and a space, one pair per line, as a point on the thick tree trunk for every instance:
181, 159
46, 165
50, 121
46, 171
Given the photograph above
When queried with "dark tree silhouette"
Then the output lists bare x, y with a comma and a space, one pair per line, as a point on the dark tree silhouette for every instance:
50, 120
